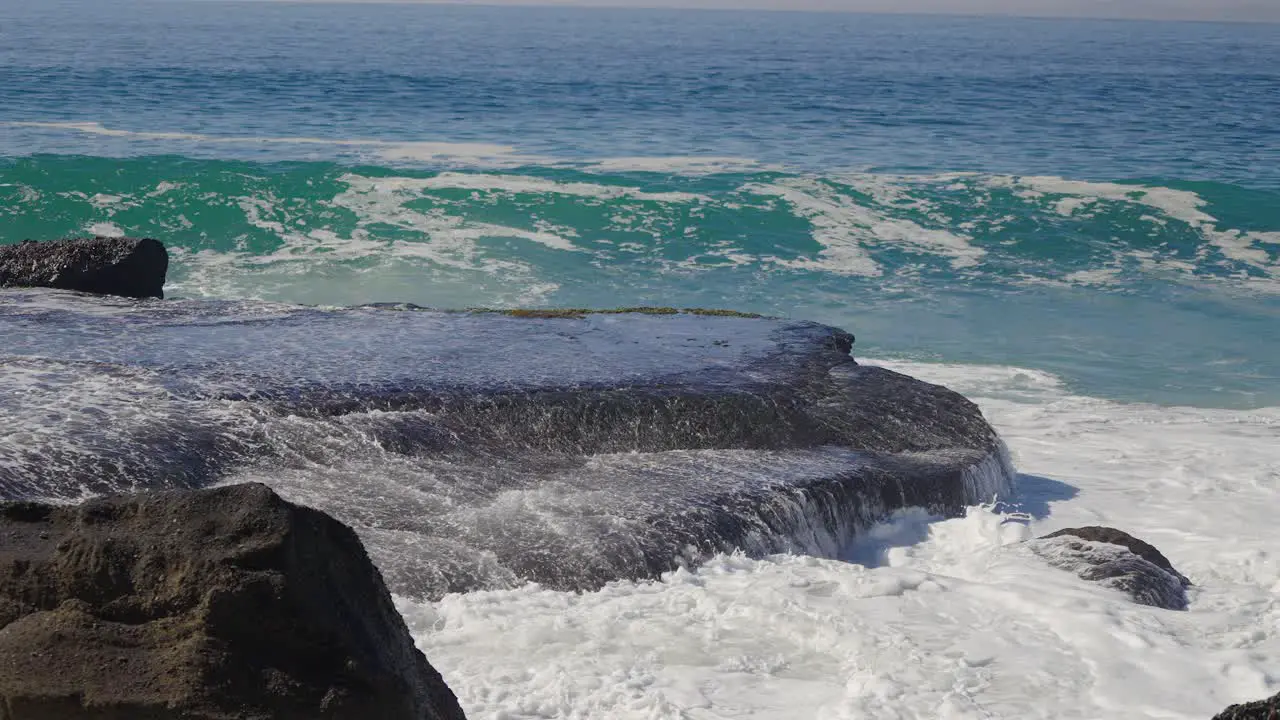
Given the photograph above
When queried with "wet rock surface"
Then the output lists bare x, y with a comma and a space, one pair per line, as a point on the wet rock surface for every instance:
485, 450
222, 603
1118, 560
128, 267
1268, 709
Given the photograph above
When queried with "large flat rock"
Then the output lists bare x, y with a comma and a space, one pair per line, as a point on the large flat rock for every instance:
478, 449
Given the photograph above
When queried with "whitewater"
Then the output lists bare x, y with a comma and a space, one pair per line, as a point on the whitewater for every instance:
930, 618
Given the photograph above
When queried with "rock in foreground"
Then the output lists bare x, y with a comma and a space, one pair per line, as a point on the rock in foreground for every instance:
223, 603
1268, 709
128, 267
1117, 560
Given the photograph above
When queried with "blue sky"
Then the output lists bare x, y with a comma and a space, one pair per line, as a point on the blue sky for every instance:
1238, 10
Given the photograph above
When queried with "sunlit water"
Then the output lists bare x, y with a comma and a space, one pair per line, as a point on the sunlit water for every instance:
1076, 224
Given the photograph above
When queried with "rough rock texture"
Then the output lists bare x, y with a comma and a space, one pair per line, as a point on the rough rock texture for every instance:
484, 450
1268, 709
1142, 549
128, 267
222, 603
1117, 560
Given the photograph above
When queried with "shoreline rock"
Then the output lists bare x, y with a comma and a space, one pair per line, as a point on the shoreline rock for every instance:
220, 603
128, 267
1118, 560
1268, 709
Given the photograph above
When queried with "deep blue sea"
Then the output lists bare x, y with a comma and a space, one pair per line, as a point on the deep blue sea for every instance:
1099, 200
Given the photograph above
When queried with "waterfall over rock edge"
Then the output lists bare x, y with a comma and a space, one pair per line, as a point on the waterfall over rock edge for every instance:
485, 449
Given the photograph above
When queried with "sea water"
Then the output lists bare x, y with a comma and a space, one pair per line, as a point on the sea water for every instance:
1075, 223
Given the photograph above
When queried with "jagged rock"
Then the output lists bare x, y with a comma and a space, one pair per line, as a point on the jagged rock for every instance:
129, 267
209, 604
1268, 709
1118, 560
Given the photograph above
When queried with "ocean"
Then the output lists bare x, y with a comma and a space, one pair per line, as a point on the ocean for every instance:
1074, 223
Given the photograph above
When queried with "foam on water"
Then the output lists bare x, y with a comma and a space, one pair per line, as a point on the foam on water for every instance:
896, 258
1071, 196
683, 165
445, 153
423, 152
847, 229
520, 184
931, 619
678, 215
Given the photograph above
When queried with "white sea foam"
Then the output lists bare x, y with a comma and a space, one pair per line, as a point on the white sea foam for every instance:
384, 201
412, 226
1097, 276
936, 619
1172, 204
905, 190
409, 244
523, 184
459, 153
1071, 206
467, 154
164, 187
420, 226
1179, 204
847, 229
105, 229
102, 201
683, 165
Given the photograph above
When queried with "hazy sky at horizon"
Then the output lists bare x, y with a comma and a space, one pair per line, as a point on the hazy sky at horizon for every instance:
1234, 10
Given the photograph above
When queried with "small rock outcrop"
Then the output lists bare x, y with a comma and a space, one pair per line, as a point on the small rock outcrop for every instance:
1268, 709
1118, 560
209, 604
129, 267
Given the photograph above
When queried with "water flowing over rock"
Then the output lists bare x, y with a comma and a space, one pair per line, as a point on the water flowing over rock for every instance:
128, 267
222, 603
1118, 560
485, 450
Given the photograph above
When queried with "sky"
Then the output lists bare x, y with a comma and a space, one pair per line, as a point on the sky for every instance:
1233, 10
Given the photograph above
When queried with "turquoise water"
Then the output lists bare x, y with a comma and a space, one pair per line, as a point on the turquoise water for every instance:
1096, 199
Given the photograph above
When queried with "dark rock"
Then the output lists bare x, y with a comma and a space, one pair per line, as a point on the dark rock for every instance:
223, 603
483, 450
1118, 560
1268, 709
1142, 549
128, 267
